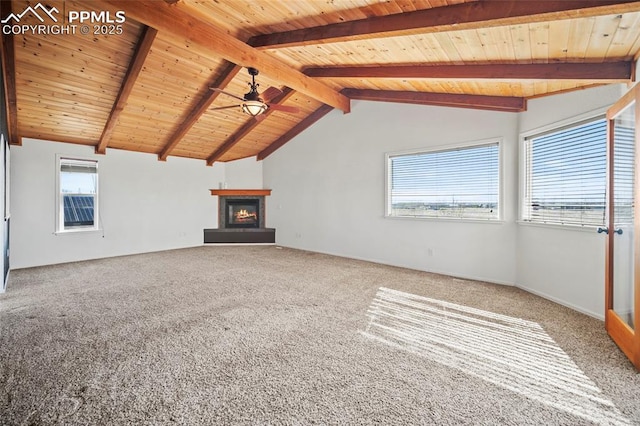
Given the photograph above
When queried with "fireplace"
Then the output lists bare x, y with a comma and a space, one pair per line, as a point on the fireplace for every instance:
241, 218
242, 213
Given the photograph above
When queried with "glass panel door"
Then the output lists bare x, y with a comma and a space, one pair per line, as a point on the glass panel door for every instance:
622, 280
623, 202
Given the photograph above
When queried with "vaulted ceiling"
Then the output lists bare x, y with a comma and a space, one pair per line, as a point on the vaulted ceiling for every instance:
146, 84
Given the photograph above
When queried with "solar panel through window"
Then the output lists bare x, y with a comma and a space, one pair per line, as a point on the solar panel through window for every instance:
78, 210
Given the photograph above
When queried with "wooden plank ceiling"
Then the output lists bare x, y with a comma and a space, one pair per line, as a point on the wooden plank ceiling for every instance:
147, 89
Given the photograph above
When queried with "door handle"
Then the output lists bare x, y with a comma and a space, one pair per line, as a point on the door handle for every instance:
606, 231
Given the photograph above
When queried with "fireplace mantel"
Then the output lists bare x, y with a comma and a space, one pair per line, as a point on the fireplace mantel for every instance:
237, 192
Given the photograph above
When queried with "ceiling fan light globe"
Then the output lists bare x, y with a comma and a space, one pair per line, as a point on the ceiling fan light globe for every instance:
254, 108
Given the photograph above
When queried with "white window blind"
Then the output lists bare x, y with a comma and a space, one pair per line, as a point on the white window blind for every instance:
458, 183
565, 175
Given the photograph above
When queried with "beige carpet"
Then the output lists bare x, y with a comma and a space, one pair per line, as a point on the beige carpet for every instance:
262, 335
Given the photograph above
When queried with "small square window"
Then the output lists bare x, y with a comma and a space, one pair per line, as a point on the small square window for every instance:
77, 195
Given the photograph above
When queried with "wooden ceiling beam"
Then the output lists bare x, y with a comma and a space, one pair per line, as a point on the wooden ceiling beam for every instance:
135, 66
457, 17
295, 131
492, 103
207, 98
53, 137
9, 79
567, 90
176, 20
610, 72
247, 128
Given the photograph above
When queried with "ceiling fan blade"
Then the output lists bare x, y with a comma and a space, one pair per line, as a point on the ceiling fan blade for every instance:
270, 93
215, 89
260, 117
225, 107
285, 108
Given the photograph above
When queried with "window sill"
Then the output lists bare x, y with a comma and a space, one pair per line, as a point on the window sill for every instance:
447, 219
78, 231
558, 227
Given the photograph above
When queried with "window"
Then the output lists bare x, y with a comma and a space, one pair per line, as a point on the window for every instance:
77, 194
460, 183
624, 168
565, 175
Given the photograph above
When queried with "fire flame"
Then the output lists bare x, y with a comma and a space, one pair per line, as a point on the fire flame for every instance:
244, 216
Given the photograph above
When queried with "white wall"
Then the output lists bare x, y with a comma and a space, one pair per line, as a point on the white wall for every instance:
328, 190
243, 174
145, 205
555, 262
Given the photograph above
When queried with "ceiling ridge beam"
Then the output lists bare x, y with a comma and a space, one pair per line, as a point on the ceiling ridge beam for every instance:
9, 78
295, 131
209, 39
618, 71
484, 102
135, 66
457, 17
247, 128
187, 122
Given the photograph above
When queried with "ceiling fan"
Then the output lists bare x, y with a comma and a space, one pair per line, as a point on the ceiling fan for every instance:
255, 104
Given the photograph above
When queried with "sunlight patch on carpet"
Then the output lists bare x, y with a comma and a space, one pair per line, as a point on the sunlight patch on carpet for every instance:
509, 352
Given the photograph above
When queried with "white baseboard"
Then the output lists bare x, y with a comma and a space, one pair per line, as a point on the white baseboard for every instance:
432, 271
562, 302
466, 277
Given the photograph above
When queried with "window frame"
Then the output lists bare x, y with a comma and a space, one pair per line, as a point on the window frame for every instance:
573, 121
440, 148
60, 226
